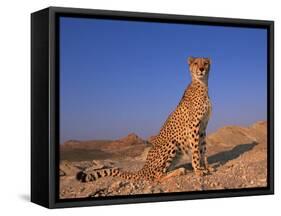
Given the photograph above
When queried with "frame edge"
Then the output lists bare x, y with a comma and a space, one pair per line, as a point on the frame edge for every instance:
39, 108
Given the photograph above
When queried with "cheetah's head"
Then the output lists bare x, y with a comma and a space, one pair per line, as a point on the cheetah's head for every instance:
199, 68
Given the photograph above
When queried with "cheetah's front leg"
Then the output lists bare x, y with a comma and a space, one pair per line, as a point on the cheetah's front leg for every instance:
202, 147
194, 140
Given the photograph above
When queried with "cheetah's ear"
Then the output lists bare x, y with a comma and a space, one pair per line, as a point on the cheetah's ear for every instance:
209, 60
190, 60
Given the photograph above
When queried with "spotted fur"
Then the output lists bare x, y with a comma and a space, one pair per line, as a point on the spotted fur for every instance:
183, 131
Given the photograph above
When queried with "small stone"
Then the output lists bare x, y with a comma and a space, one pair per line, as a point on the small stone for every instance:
157, 189
214, 184
98, 193
116, 186
148, 189
82, 189
62, 173
136, 186
97, 164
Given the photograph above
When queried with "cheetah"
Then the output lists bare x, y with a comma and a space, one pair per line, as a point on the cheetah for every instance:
184, 131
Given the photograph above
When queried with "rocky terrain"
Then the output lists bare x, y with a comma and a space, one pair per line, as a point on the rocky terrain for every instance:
238, 154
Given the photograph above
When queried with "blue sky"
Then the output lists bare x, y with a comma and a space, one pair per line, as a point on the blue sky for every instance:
118, 77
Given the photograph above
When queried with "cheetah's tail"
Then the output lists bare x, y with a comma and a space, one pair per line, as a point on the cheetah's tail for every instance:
88, 176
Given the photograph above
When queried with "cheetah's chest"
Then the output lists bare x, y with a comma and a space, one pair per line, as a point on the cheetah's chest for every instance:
208, 108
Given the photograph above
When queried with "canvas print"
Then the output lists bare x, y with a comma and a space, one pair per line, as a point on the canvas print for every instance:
151, 107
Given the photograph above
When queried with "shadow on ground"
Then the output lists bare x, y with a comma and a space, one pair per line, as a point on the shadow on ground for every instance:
221, 158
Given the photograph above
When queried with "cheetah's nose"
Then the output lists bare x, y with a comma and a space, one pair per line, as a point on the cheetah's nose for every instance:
201, 69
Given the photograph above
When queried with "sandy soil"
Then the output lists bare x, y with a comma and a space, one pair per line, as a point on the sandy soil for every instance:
238, 154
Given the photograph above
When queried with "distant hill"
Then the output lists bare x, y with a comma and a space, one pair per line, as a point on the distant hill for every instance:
232, 135
127, 141
130, 145
133, 146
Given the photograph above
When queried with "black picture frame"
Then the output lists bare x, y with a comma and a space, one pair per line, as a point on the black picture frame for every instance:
45, 106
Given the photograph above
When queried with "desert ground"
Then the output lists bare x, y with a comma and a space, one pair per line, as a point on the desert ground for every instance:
238, 154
